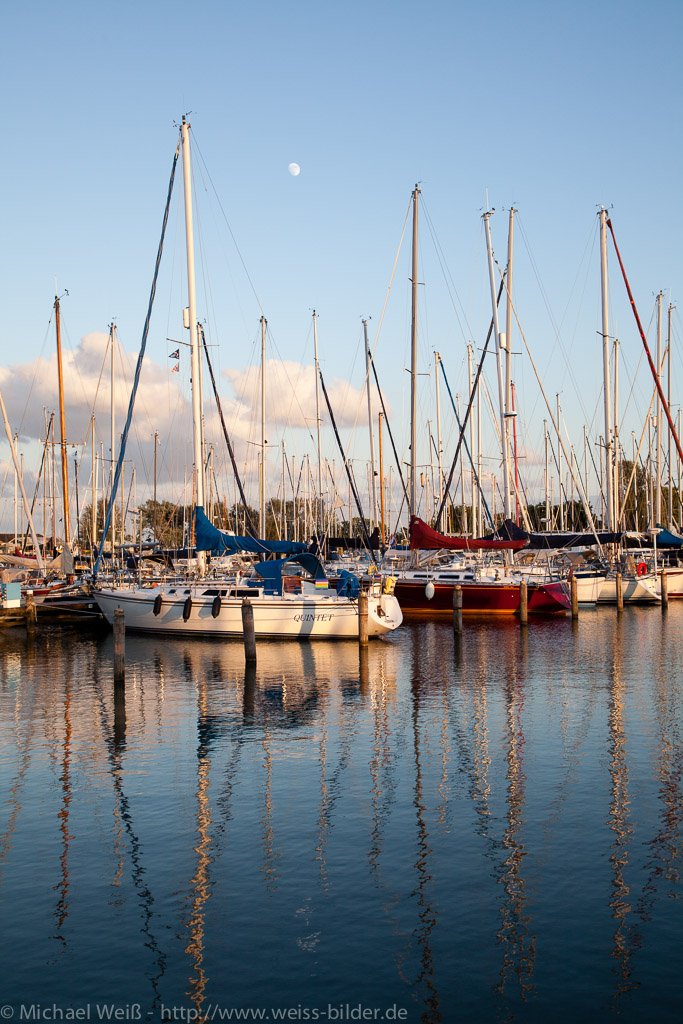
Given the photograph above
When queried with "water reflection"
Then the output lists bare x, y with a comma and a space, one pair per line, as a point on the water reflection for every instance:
401, 820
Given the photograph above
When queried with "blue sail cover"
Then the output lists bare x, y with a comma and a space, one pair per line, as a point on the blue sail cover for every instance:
669, 540
215, 541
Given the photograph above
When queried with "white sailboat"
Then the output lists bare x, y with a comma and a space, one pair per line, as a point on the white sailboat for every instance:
285, 606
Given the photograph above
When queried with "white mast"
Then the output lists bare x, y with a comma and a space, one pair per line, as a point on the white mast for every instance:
317, 416
375, 521
27, 507
668, 398
609, 511
500, 345
658, 451
194, 348
437, 360
413, 366
112, 432
262, 468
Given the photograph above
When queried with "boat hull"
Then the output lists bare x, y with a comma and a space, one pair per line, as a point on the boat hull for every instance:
478, 598
634, 589
296, 617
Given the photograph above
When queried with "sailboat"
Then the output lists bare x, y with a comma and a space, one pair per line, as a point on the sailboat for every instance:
291, 597
427, 591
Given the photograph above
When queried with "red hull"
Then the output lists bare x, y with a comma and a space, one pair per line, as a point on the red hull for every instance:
479, 598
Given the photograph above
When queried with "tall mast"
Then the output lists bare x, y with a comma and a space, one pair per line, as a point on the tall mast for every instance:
17, 470
381, 478
615, 449
658, 451
609, 511
547, 497
262, 468
372, 433
509, 397
500, 345
413, 366
668, 398
559, 465
437, 360
317, 411
112, 416
194, 348
65, 473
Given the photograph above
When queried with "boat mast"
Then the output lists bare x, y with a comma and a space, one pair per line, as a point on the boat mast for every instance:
658, 450
194, 348
19, 475
317, 416
60, 378
437, 360
510, 414
413, 366
381, 478
262, 470
609, 511
112, 415
500, 345
671, 468
372, 433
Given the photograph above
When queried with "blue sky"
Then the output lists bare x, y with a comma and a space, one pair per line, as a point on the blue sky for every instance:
553, 108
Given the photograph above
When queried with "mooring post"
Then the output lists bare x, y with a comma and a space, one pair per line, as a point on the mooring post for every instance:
363, 618
457, 609
575, 597
665, 589
523, 604
248, 630
119, 647
620, 594
30, 614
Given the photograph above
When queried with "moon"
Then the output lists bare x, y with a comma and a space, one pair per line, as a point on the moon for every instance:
294, 169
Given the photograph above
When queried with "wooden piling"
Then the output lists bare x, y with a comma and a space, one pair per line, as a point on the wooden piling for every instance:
119, 647
248, 630
30, 614
575, 597
523, 604
620, 593
457, 609
665, 589
363, 618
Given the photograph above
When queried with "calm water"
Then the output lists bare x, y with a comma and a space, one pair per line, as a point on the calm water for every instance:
486, 833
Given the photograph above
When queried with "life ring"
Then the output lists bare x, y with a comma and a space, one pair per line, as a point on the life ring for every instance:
641, 569
216, 606
187, 608
156, 608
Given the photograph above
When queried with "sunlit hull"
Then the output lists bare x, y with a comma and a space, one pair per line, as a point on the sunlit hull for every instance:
478, 597
291, 616
634, 589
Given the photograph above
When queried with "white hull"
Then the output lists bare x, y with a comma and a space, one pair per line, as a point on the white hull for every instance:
589, 587
290, 616
674, 581
635, 589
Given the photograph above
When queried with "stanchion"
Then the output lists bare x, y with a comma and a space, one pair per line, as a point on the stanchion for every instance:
523, 604
575, 598
363, 618
119, 647
248, 630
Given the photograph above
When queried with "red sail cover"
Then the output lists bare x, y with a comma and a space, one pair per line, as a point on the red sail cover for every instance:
422, 536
